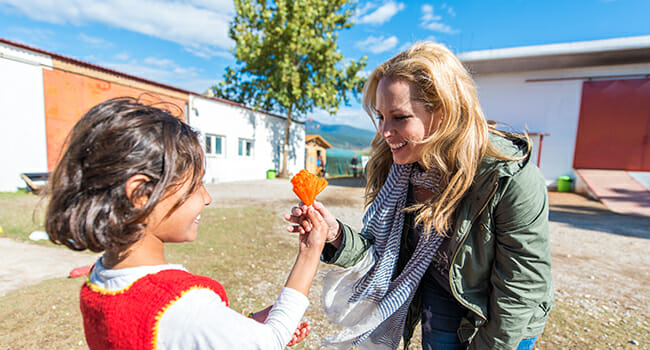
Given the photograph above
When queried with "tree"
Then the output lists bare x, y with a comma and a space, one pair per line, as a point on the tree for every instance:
288, 60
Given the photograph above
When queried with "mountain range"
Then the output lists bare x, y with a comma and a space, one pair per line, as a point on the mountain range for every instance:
341, 136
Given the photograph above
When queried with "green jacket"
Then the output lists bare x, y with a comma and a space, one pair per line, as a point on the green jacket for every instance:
499, 253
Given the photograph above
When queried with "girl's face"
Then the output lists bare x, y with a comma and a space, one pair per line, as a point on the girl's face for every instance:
182, 224
402, 120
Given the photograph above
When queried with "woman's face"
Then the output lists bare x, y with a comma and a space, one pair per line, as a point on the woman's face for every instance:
402, 120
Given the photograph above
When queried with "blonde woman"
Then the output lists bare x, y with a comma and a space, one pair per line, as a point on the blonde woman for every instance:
456, 229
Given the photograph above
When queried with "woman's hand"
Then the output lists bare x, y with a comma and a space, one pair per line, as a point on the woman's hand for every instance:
302, 225
300, 334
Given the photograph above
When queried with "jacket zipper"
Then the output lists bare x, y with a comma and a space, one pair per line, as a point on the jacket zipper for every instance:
459, 299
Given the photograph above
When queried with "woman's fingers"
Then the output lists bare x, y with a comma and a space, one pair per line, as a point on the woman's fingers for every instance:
299, 218
296, 229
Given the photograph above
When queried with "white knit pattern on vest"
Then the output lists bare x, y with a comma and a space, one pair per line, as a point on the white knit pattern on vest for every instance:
362, 298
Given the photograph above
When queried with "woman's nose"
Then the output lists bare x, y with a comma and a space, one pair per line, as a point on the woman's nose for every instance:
385, 129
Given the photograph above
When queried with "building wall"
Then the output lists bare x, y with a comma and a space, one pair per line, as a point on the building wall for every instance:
22, 126
312, 149
212, 117
544, 106
68, 96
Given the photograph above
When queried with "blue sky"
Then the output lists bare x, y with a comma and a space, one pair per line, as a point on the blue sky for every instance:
186, 44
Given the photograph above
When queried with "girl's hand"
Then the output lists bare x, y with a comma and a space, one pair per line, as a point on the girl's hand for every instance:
314, 240
261, 315
300, 334
302, 225
311, 243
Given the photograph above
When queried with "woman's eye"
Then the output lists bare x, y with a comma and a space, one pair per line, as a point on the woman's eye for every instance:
379, 117
401, 117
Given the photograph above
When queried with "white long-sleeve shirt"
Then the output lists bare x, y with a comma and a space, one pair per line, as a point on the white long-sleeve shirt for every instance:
201, 320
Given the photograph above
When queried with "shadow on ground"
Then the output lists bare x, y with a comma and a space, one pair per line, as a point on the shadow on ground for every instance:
347, 181
630, 197
596, 219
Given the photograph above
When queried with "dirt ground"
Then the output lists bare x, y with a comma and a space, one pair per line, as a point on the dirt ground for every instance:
599, 257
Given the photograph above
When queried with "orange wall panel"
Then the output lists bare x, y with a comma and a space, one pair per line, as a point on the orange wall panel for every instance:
69, 96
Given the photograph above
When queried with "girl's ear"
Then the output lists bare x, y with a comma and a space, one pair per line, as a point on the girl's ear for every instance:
132, 184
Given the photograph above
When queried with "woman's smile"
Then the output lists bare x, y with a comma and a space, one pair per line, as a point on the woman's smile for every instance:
396, 147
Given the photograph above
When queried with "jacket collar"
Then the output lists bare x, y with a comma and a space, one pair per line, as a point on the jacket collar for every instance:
510, 146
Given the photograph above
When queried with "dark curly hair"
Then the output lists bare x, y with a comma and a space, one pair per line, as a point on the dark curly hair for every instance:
88, 207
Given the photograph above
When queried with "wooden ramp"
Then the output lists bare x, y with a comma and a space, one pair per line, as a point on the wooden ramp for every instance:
618, 191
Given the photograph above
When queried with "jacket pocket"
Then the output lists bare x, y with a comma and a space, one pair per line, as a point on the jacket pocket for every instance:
540, 315
468, 328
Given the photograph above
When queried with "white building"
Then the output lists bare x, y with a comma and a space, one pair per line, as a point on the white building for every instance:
22, 117
593, 98
243, 144
43, 94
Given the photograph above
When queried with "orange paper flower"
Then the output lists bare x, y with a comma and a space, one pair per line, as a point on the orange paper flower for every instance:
307, 186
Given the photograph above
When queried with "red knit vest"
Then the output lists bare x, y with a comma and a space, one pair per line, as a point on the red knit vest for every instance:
129, 318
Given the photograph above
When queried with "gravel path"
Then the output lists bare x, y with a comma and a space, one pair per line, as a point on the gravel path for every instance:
25, 264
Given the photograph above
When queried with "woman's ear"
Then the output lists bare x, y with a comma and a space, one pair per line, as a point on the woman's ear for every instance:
437, 118
132, 184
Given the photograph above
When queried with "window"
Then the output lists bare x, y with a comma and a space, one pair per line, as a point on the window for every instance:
245, 148
214, 144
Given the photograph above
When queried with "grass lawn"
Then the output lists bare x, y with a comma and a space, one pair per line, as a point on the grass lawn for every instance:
21, 213
248, 251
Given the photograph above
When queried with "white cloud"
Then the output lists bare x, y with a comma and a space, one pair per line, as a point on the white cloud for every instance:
201, 24
408, 44
207, 52
430, 20
428, 15
364, 73
122, 56
32, 36
159, 62
95, 41
449, 9
405, 46
431, 38
380, 15
378, 44
163, 71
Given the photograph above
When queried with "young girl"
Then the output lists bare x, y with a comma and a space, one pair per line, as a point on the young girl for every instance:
130, 181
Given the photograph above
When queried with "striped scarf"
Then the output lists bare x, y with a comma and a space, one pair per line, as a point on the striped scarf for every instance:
363, 298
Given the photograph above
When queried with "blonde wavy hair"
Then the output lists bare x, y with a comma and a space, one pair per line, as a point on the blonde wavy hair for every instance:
456, 148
